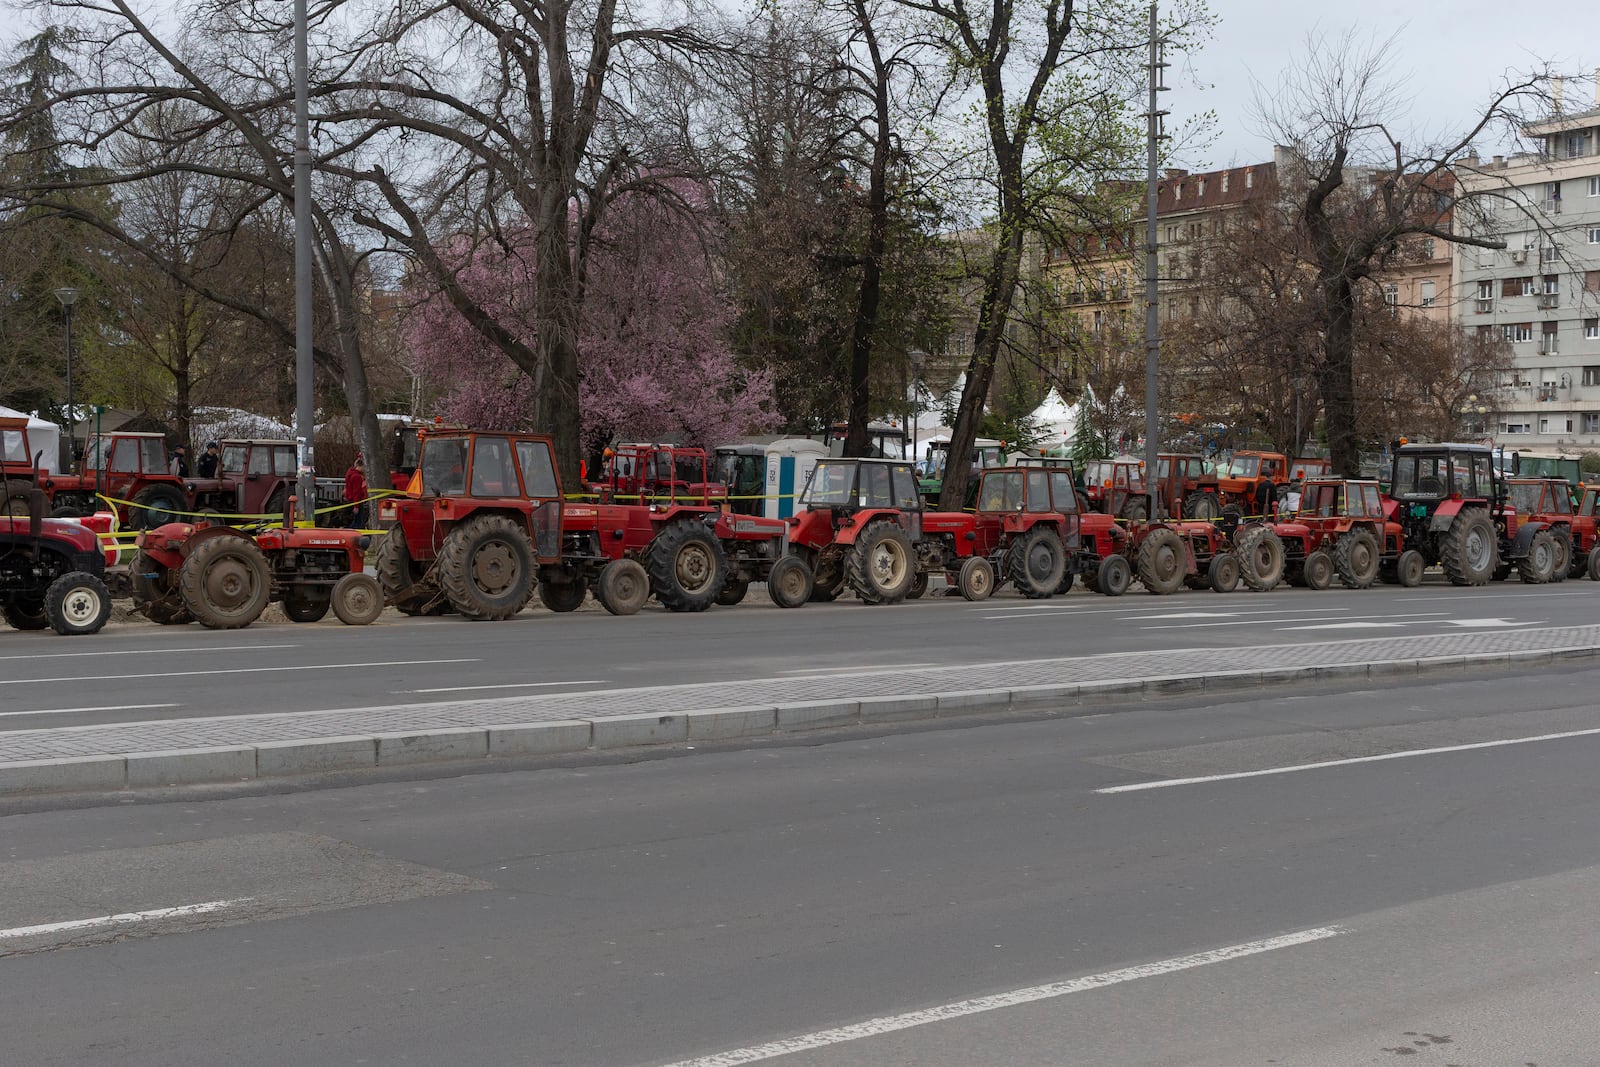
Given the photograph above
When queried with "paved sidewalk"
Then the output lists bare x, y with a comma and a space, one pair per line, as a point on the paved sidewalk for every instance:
299, 742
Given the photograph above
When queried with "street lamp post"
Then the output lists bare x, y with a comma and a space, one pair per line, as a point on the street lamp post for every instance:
69, 298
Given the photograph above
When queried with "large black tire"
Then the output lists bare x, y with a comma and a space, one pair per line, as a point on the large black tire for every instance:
1223, 572
1317, 570
357, 599
1162, 565
622, 588
1202, 506
975, 579
1539, 562
77, 603
1261, 559
275, 504
564, 596
1561, 541
486, 568
1065, 585
1135, 509
1036, 562
1409, 567
225, 583
882, 564
1114, 576
397, 574
789, 582
155, 505
155, 592
1356, 558
919, 586
25, 614
733, 593
687, 566
1592, 567
309, 606
1468, 551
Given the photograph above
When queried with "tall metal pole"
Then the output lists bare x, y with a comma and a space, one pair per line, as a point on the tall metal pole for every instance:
304, 412
69, 299
1152, 309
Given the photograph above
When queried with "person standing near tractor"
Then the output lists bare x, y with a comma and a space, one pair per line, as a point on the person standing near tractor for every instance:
180, 462
355, 494
206, 465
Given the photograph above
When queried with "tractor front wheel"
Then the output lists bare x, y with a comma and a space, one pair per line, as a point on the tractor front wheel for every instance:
789, 582
734, 592
882, 564
1223, 573
1562, 543
565, 596
1536, 567
687, 566
155, 592
975, 579
1318, 570
1467, 551
486, 568
225, 583
1036, 561
1260, 552
1162, 562
357, 600
1409, 567
24, 613
623, 587
1355, 557
77, 603
307, 607
1594, 564
1114, 576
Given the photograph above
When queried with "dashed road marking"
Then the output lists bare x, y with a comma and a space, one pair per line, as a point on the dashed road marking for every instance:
208, 672
144, 652
126, 918
69, 711
508, 685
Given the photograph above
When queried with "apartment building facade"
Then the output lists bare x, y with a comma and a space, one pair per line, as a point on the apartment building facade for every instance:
1541, 293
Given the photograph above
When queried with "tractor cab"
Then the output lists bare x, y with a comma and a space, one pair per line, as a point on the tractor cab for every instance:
466, 474
1184, 486
254, 477
742, 469
1116, 487
659, 474
1305, 468
1337, 498
129, 468
846, 485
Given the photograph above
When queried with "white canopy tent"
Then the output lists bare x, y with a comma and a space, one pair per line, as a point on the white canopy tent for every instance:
42, 437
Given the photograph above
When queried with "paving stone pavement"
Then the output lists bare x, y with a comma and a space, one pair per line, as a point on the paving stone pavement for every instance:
232, 730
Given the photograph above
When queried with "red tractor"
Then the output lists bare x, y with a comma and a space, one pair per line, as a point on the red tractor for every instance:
1338, 529
1547, 502
128, 467
645, 473
1188, 552
488, 528
253, 478
52, 571
1186, 488
225, 577
1116, 487
1586, 545
1250, 483
1028, 525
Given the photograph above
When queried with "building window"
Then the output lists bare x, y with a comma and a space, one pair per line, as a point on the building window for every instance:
1544, 425
1552, 284
1518, 332
1529, 287
1250, 181
1576, 143
1391, 296
1200, 187
1591, 331
1177, 191
1427, 248
1224, 181
1427, 294
1515, 427
1591, 422
1486, 290
1594, 186
1594, 235
1591, 375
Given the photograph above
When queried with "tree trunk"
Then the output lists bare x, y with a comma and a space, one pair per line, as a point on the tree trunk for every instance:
999, 289
555, 397
1336, 377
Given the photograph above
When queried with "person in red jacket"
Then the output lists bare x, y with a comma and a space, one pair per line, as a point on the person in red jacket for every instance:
355, 494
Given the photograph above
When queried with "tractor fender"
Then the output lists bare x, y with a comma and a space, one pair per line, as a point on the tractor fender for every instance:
209, 533
1525, 533
1444, 515
851, 528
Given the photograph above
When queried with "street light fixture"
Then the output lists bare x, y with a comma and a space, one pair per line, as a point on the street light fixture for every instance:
69, 298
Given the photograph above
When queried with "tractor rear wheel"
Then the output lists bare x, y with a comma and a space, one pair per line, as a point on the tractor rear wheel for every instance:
225, 582
1202, 506
733, 592
1162, 565
276, 503
1562, 543
1114, 576
1409, 567
882, 564
155, 505
1134, 509
357, 599
1536, 567
486, 567
309, 606
687, 566
1260, 552
399, 577
975, 579
77, 603
1318, 570
789, 582
565, 596
1355, 557
623, 587
25, 614
1036, 561
1467, 551
1223, 573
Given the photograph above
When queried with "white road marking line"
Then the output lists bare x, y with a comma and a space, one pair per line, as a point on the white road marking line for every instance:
66, 711
1350, 626
123, 918
813, 672
1169, 782
888, 1024
143, 652
1507, 595
1479, 624
199, 671
1259, 622
1222, 614
508, 685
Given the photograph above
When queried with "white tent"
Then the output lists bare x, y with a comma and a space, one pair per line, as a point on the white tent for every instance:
1057, 419
42, 437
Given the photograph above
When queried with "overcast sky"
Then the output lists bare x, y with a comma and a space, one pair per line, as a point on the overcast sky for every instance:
1453, 56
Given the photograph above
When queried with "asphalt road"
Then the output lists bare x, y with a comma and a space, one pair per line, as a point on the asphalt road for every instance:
955, 895
136, 671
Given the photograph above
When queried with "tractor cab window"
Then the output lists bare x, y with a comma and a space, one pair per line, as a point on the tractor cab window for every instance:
1062, 492
260, 460
538, 472
989, 456
1038, 491
283, 460
444, 466
492, 473
1371, 502
1587, 507
409, 448
1525, 497
124, 456
1421, 477
99, 451
546, 525
876, 488
1244, 467
1558, 501
906, 497
1483, 473
1001, 491
153, 455
233, 459
688, 468
1271, 468
1120, 476
14, 447
831, 485
1319, 500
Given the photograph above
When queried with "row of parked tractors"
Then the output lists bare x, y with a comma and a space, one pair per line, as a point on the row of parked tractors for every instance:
488, 530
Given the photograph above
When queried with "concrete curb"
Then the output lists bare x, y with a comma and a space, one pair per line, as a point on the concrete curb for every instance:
287, 759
